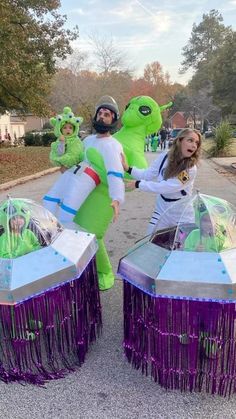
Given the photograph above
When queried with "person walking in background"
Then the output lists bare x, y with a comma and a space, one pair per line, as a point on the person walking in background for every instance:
163, 135
171, 176
146, 143
154, 142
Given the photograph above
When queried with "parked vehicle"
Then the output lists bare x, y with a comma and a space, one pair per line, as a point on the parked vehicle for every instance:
209, 133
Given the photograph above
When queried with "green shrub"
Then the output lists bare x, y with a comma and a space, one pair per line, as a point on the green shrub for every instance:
48, 138
47, 125
223, 139
32, 139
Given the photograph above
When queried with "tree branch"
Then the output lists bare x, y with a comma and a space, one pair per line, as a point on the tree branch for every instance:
12, 94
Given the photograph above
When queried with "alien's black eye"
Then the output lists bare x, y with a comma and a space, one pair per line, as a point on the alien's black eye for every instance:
24, 210
145, 110
127, 106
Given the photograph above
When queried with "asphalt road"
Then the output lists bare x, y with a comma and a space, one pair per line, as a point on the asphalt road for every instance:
106, 386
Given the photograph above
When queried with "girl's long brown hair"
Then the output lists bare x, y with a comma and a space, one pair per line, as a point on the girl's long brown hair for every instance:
176, 163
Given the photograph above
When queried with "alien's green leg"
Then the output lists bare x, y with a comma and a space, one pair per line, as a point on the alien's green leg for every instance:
95, 216
104, 269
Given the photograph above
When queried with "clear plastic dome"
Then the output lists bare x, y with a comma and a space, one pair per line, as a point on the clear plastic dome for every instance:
25, 226
36, 252
189, 256
205, 224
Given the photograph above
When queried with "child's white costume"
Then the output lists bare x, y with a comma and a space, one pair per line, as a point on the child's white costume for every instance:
169, 191
65, 154
79, 181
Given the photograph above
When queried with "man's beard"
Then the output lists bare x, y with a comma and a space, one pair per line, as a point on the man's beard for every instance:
100, 127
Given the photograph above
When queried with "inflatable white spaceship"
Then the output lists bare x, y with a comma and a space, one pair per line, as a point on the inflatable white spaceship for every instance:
189, 260
37, 252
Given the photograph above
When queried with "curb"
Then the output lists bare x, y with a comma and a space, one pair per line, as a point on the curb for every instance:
230, 167
25, 179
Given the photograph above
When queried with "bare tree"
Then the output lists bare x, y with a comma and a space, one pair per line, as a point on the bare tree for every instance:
108, 57
200, 106
76, 62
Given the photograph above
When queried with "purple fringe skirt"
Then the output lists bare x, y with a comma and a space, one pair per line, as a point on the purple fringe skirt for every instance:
186, 345
48, 335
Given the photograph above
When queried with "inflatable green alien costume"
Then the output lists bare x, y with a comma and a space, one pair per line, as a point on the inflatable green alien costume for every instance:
141, 118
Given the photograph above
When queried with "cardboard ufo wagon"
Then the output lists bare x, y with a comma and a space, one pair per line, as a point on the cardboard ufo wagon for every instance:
179, 298
49, 298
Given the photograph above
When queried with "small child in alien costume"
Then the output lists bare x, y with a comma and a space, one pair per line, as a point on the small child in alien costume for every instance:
211, 235
16, 239
66, 152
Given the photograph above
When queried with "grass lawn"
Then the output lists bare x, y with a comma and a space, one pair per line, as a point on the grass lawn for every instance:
22, 161
208, 143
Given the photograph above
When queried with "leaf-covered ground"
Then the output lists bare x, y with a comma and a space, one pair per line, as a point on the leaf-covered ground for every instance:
22, 161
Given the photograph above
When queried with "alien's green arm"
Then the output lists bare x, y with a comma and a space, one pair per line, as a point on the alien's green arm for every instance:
72, 156
96, 161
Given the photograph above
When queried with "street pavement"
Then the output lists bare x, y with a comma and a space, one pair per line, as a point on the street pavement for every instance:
106, 386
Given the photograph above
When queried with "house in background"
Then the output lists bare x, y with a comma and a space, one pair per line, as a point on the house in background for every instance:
13, 126
33, 122
183, 119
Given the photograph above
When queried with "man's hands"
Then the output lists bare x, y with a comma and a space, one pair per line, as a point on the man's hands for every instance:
116, 209
129, 185
63, 169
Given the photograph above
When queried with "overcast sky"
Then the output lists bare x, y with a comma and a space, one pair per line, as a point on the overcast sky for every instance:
147, 30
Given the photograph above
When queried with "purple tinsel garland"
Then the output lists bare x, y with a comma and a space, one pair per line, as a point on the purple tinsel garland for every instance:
47, 335
186, 345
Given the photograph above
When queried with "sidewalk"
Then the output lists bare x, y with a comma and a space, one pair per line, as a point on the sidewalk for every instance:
227, 164
224, 161
15, 182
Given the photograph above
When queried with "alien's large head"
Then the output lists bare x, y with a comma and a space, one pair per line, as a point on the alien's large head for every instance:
67, 117
144, 111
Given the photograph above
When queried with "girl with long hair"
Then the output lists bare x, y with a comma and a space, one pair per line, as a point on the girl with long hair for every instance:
171, 176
